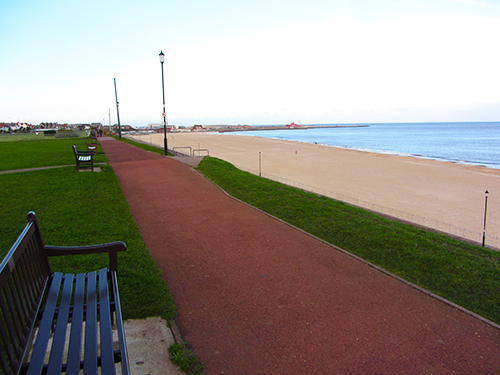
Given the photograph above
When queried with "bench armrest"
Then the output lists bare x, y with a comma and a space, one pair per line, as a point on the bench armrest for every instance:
112, 248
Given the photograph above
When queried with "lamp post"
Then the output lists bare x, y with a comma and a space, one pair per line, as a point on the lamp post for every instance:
118, 113
485, 211
162, 59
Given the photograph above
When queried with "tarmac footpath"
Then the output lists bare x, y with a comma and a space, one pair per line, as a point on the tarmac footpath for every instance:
257, 296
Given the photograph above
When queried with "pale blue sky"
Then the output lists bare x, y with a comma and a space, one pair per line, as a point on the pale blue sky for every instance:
254, 62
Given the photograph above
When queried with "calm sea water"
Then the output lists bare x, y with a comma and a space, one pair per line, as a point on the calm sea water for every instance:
476, 143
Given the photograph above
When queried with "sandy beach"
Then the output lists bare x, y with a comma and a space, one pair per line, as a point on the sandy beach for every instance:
445, 196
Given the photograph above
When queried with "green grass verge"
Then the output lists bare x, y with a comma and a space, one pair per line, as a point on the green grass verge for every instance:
144, 146
82, 209
35, 151
185, 359
465, 274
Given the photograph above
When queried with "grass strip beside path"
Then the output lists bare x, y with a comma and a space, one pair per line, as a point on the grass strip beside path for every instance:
77, 209
144, 146
465, 274
41, 152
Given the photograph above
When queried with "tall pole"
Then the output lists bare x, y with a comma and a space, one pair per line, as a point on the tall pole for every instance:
260, 166
118, 113
109, 114
485, 211
162, 59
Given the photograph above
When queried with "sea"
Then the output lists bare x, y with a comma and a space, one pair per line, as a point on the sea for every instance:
475, 143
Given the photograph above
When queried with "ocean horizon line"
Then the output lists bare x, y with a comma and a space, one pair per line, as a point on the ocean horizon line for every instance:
356, 123
471, 143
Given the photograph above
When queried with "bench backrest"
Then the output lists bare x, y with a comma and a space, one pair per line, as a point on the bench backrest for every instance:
24, 274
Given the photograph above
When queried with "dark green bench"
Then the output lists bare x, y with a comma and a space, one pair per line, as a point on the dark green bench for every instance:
91, 146
83, 157
52, 323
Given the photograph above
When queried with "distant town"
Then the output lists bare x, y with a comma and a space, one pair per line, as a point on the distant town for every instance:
23, 127
52, 127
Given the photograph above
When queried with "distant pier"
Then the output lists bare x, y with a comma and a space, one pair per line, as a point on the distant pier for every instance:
230, 128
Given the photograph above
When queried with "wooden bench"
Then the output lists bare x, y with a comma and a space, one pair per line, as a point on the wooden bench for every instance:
83, 157
91, 146
93, 136
38, 307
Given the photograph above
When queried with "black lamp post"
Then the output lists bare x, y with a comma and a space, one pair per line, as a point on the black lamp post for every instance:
485, 211
162, 59
118, 113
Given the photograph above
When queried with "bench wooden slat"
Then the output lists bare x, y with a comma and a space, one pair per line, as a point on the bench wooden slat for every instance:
34, 277
18, 319
38, 356
27, 275
107, 355
20, 288
57, 350
22, 300
29, 278
25, 294
8, 351
75, 341
119, 323
90, 357
15, 327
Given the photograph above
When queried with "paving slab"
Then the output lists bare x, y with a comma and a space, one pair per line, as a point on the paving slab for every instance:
147, 344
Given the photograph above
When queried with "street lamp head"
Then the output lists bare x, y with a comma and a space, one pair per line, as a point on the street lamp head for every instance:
486, 192
162, 57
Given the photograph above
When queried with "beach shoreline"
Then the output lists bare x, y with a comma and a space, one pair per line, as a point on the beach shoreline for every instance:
446, 196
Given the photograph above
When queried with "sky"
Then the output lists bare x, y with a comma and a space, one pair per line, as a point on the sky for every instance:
249, 62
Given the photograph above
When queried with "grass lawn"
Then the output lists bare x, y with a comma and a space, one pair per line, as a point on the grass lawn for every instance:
34, 151
465, 274
79, 209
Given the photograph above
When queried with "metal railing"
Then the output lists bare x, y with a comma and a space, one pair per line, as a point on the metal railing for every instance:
180, 153
201, 150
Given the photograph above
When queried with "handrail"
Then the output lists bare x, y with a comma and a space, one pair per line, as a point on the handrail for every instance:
201, 149
181, 154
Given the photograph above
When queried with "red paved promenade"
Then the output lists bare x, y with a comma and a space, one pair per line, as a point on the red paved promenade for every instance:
256, 296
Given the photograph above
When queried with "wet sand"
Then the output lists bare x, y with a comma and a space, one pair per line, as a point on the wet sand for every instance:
424, 191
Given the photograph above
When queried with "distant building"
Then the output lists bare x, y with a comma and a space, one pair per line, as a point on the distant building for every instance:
48, 125
158, 128
124, 128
